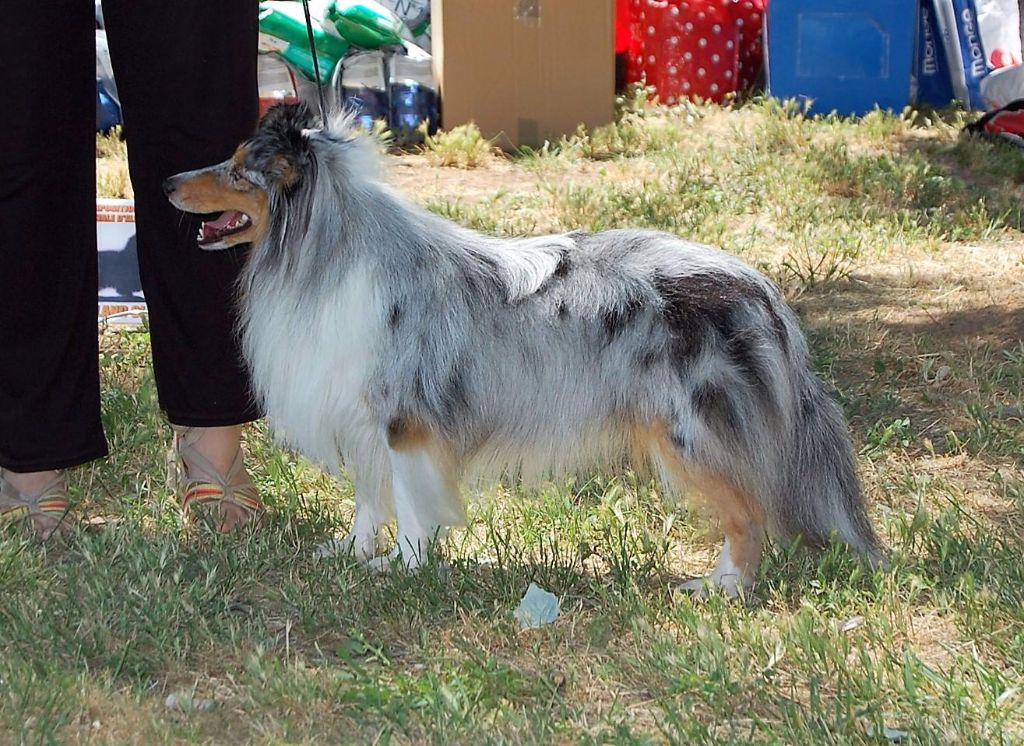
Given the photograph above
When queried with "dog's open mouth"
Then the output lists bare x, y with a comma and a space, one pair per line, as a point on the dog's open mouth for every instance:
229, 223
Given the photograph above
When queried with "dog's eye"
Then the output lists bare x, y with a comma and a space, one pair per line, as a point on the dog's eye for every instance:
238, 181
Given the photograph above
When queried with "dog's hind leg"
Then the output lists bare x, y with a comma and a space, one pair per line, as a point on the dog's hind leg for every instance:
741, 518
425, 488
743, 523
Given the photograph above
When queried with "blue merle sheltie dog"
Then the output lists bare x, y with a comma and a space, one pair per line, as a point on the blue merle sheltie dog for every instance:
419, 354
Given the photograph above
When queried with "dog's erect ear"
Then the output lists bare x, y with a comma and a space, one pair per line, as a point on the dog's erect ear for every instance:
283, 117
280, 149
283, 171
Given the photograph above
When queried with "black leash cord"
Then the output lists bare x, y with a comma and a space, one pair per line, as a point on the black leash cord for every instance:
316, 62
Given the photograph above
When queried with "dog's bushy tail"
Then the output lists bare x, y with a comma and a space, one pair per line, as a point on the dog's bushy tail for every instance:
819, 496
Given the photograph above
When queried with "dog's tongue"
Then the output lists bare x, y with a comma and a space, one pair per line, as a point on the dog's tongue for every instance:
226, 221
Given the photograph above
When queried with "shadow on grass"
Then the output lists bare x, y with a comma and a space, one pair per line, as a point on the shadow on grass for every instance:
999, 325
896, 351
984, 164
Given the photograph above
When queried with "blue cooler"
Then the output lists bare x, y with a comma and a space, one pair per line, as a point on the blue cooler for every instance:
847, 56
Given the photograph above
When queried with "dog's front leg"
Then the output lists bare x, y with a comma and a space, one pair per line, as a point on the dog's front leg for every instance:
374, 511
425, 488
366, 539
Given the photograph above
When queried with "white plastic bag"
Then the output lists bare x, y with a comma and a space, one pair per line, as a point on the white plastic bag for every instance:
1002, 86
999, 23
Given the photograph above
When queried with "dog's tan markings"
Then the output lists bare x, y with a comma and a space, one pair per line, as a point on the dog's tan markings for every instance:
284, 171
407, 434
239, 156
204, 192
651, 439
640, 440
741, 517
212, 190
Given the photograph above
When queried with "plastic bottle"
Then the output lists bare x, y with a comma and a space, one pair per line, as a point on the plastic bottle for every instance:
364, 84
276, 82
283, 30
412, 95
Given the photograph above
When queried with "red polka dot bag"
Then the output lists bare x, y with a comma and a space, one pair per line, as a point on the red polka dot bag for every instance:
696, 48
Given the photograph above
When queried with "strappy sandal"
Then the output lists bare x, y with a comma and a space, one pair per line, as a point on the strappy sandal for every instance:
202, 489
51, 504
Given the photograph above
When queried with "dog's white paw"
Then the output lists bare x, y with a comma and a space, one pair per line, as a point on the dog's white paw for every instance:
728, 583
408, 561
332, 548
360, 546
396, 558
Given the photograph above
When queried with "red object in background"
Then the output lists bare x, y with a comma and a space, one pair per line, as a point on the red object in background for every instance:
696, 48
276, 82
623, 27
267, 102
1005, 123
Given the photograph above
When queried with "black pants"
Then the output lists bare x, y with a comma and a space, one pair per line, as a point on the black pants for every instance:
186, 76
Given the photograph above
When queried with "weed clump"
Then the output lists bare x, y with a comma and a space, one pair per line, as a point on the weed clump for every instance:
461, 147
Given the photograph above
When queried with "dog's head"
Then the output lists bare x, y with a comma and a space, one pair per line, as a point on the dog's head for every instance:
269, 165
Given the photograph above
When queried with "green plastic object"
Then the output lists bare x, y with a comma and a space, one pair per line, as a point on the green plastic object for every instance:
283, 30
301, 59
365, 23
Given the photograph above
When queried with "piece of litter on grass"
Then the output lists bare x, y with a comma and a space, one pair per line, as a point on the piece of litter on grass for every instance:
1009, 693
187, 703
851, 623
537, 608
943, 373
894, 735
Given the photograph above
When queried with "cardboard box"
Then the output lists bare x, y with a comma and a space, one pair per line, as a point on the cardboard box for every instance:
525, 71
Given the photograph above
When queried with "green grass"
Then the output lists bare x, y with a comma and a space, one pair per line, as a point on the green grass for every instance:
900, 245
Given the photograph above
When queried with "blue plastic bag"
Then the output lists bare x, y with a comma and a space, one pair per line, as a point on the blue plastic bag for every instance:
961, 36
108, 113
931, 67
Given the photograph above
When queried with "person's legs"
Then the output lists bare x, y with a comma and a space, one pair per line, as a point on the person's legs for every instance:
49, 376
186, 75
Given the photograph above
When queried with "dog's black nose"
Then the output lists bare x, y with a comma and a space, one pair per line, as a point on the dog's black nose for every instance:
169, 187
